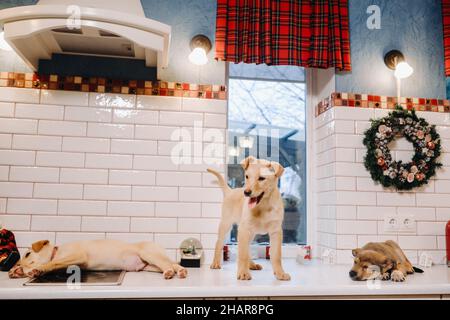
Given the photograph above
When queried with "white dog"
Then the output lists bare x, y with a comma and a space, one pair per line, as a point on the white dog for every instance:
96, 255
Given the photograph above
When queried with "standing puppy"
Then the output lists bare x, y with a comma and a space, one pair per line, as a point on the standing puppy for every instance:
258, 209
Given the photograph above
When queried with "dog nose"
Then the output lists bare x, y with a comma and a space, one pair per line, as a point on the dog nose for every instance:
352, 274
247, 193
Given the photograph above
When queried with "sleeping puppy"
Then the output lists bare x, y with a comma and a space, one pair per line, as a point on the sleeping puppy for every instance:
381, 260
96, 255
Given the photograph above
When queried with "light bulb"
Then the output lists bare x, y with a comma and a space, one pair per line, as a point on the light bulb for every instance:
403, 70
233, 151
198, 56
3, 44
246, 142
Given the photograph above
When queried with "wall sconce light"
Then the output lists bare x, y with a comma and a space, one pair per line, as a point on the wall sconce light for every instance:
200, 46
246, 142
3, 44
395, 60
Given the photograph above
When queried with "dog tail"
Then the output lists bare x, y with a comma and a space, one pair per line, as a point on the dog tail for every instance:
220, 180
418, 270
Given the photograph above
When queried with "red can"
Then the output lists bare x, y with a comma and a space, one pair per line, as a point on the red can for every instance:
226, 253
447, 237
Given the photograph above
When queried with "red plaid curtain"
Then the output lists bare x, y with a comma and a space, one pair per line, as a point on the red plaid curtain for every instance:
307, 33
446, 24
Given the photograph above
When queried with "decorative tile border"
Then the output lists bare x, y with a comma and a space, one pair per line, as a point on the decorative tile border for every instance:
342, 99
103, 85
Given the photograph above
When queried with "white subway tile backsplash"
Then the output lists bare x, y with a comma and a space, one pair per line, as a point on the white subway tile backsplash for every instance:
347, 241
132, 177
113, 100
153, 225
178, 179
86, 166
177, 209
15, 157
155, 193
88, 114
32, 206
62, 128
173, 241
130, 237
159, 103
356, 227
55, 223
70, 98
57, 191
213, 120
442, 214
19, 95
67, 237
6, 109
105, 224
403, 199
96, 145
108, 130
135, 116
198, 225
111, 161
417, 242
154, 163
90, 176
170, 118
431, 228
39, 111
59, 159
33, 142
25, 126
141, 147
204, 105
107, 192
131, 208
193, 194
16, 190
5, 141
375, 213
82, 208
34, 174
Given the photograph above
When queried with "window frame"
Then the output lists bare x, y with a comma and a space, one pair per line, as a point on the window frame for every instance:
309, 118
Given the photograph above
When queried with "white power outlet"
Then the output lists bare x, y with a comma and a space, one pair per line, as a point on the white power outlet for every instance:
400, 224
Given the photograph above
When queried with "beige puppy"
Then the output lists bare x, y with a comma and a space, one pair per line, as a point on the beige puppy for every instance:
258, 209
381, 260
96, 255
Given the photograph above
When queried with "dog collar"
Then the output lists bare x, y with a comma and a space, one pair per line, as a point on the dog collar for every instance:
55, 248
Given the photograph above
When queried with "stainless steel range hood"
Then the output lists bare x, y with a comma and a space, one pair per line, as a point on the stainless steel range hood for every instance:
110, 28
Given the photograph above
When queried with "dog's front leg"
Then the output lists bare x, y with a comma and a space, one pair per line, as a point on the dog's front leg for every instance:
244, 238
275, 255
57, 265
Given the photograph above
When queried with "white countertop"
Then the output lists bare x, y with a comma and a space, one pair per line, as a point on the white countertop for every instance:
315, 279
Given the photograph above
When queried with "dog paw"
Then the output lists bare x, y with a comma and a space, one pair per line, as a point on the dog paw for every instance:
397, 276
386, 276
282, 276
34, 273
244, 275
168, 274
215, 265
182, 273
255, 266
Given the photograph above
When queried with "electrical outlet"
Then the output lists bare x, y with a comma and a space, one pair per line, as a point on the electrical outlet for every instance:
400, 224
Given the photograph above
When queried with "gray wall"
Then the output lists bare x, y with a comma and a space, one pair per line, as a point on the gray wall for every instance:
412, 26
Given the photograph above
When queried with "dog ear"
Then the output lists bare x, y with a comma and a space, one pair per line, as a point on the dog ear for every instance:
37, 246
356, 251
247, 161
278, 168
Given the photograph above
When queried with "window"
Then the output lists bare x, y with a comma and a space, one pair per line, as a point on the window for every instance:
266, 119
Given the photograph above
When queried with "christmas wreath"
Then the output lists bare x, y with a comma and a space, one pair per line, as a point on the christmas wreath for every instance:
424, 138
